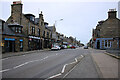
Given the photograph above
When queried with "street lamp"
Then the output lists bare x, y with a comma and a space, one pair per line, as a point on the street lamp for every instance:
57, 21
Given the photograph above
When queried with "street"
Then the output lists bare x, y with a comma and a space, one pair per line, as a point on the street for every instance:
48, 63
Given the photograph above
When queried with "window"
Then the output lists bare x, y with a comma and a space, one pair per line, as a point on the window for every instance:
16, 29
20, 30
44, 34
109, 43
33, 30
47, 34
38, 31
21, 44
105, 43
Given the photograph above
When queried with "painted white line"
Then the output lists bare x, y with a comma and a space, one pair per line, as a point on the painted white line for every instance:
4, 70
63, 70
55, 75
21, 65
5, 59
76, 60
69, 71
82, 56
23, 55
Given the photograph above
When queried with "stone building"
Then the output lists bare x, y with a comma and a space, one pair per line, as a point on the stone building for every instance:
33, 27
13, 39
107, 33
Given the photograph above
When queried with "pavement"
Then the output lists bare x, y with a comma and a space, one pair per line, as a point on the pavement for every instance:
106, 67
113, 53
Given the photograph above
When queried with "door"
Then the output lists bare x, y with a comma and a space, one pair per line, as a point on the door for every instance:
98, 44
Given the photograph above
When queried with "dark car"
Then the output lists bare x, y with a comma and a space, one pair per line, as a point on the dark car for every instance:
85, 47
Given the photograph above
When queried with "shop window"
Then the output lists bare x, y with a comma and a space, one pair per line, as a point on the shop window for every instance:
21, 44
109, 43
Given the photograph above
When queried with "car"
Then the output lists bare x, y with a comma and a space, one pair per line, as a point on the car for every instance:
63, 46
85, 47
55, 47
72, 47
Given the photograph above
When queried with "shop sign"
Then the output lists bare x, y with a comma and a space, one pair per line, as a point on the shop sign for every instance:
34, 37
10, 39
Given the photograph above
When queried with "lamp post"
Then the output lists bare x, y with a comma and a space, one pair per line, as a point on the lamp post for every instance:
56, 25
57, 21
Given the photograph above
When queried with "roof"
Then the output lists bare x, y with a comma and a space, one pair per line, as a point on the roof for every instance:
29, 15
50, 28
14, 24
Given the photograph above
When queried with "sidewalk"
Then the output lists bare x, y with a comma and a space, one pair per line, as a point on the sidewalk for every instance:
106, 64
10, 54
114, 53
99, 65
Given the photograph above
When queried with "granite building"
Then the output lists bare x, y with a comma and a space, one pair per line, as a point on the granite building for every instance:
107, 32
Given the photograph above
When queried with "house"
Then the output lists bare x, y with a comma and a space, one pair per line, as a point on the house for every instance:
107, 32
13, 39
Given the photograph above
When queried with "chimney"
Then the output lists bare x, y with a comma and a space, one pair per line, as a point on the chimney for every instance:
112, 13
16, 11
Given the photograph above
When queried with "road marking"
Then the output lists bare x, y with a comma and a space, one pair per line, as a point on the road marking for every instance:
20, 65
63, 69
4, 70
55, 75
5, 59
70, 71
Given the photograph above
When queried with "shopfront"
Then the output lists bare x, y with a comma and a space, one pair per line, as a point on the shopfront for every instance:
9, 45
34, 43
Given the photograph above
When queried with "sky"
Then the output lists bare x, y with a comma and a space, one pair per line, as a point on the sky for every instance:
79, 16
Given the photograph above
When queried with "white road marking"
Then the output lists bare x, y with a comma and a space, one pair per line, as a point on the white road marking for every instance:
23, 64
54, 76
63, 70
20, 65
5, 59
4, 70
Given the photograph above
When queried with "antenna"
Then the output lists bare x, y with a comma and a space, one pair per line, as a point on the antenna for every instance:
38, 10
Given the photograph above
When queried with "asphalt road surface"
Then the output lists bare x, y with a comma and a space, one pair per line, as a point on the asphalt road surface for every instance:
47, 63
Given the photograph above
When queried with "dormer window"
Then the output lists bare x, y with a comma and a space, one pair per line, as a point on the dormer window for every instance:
18, 30
16, 27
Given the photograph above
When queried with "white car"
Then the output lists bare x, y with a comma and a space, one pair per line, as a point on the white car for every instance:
55, 47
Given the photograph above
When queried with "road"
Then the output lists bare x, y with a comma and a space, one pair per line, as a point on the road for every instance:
48, 63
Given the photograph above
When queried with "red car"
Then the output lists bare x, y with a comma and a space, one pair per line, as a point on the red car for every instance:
72, 47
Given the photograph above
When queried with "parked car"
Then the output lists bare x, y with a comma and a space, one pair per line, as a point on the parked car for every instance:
55, 47
72, 47
63, 46
85, 47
